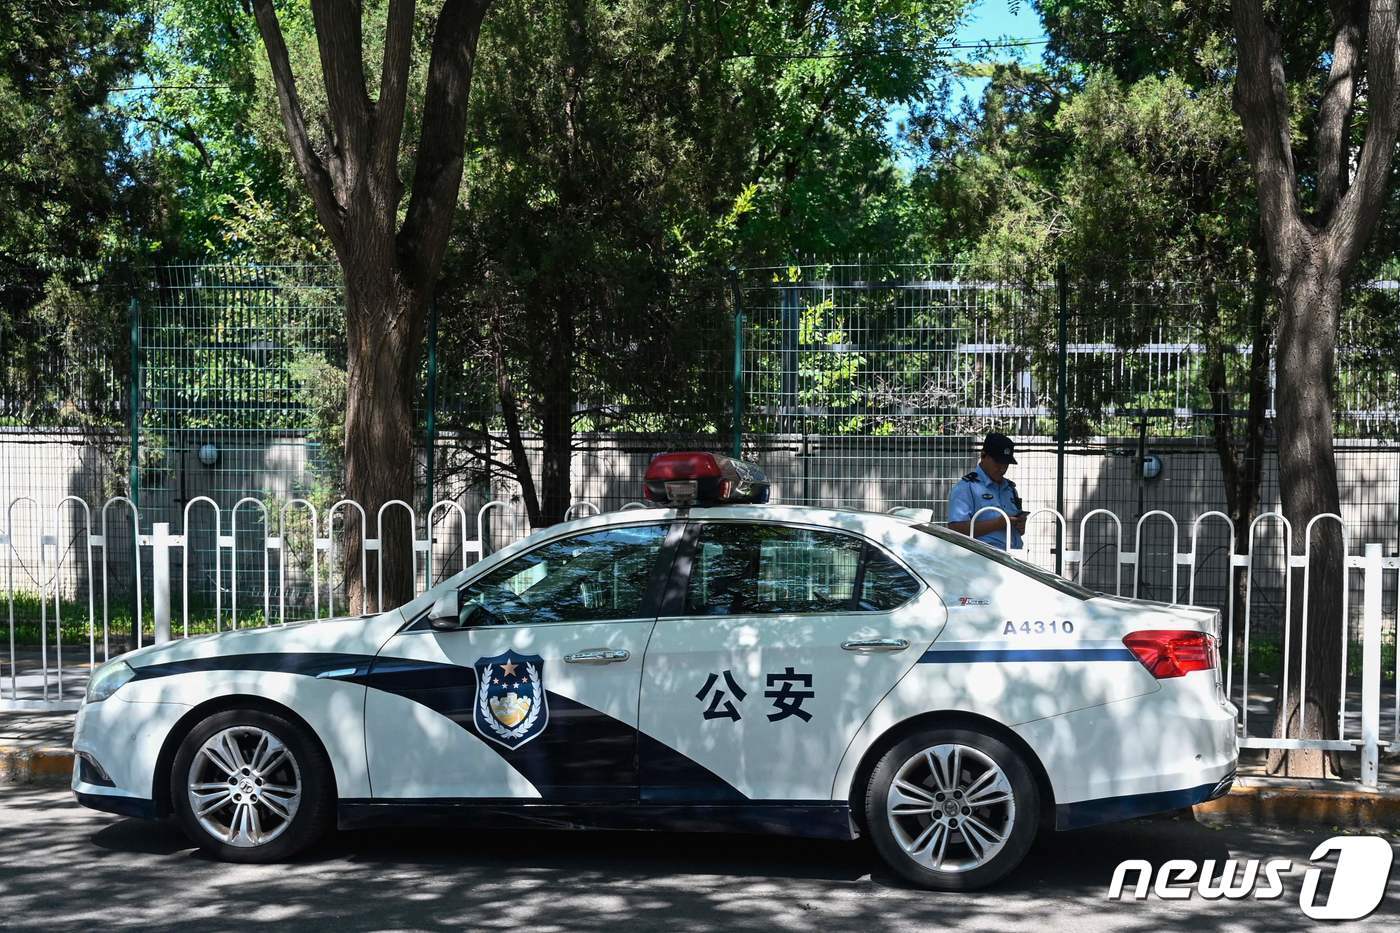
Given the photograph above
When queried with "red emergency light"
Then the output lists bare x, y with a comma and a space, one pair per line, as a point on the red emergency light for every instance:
700, 478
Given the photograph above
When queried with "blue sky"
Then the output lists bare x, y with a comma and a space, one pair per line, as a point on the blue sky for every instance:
989, 21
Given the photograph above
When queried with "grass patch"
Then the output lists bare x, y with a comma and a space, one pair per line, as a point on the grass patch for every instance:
1266, 659
74, 620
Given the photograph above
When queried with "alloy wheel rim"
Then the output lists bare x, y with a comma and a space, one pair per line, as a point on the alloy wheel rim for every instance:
951, 808
244, 786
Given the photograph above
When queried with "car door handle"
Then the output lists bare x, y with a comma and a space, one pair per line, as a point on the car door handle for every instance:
598, 656
875, 644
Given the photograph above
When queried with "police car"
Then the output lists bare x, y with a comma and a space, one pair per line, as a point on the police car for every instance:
713, 663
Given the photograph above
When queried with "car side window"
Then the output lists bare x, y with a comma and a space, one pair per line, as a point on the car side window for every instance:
751, 569
590, 577
884, 584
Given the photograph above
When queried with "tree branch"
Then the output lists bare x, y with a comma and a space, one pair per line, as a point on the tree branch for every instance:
442, 141
309, 164
519, 458
1351, 226
340, 41
487, 459
393, 87
1261, 100
1336, 107
185, 132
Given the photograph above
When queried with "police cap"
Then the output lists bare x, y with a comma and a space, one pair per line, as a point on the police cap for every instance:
999, 447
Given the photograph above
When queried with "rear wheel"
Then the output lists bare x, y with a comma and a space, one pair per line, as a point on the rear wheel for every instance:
952, 809
248, 786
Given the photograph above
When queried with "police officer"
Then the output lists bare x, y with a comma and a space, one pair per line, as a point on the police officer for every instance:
988, 486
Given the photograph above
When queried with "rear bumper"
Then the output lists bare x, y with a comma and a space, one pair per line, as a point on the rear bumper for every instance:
1170, 749
1115, 809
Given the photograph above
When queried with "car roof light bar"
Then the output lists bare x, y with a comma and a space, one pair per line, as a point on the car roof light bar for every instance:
698, 478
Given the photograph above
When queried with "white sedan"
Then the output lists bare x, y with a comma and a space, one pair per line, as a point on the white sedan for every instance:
749, 668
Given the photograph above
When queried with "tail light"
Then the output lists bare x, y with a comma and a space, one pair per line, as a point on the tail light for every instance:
1172, 653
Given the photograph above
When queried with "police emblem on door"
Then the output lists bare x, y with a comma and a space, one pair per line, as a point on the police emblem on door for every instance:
511, 708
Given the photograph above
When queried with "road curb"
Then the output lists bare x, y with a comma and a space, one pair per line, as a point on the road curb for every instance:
1278, 802
51, 766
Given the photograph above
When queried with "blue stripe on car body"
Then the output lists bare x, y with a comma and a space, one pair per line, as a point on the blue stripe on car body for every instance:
971, 655
586, 755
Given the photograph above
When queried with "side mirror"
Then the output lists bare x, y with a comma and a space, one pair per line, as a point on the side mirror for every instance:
444, 614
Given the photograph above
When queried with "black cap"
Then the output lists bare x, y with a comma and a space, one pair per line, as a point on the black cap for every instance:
1000, 448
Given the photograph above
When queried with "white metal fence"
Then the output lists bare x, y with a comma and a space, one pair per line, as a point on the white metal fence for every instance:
36, 677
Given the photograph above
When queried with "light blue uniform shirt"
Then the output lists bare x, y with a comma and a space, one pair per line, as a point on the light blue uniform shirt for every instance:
977, 491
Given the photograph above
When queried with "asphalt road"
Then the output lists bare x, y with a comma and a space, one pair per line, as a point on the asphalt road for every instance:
64, 867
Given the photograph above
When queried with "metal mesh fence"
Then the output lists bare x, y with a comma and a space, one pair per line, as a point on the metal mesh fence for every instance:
228, 357
864, 385
871, 385
234, 360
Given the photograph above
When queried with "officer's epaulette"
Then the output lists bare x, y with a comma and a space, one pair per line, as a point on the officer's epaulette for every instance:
971, 477
1010, 483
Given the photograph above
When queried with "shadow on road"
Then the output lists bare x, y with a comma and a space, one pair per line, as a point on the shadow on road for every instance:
65, 867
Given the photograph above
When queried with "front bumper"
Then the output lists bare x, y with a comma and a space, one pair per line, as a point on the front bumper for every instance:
137, 807
116, 746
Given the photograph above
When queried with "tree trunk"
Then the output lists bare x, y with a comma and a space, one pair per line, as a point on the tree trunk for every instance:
1310, 303
1310, 253
515, 440
557, 423
557, 382
390, 266
383, 336
1251, 468
1241, 456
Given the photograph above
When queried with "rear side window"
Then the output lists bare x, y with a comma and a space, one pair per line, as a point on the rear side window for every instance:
886, 585
755, 569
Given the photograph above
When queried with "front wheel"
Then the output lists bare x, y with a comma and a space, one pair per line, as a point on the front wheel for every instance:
248, 786
952, 809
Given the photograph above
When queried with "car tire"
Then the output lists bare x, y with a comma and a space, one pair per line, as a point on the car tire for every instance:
250, 786
952, 809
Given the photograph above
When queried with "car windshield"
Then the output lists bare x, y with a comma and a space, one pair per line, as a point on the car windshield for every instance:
999, 556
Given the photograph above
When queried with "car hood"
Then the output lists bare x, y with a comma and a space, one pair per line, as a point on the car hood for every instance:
344, 635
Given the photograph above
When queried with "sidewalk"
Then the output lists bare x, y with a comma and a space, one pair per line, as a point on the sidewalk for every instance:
35, 748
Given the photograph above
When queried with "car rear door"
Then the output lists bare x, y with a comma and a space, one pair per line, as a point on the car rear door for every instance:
775, 642
537, 697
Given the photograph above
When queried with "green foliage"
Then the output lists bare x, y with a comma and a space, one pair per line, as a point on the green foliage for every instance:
624, 153
71, 203
1266, 659
1158, 171
216, 140
322, 387
628, 151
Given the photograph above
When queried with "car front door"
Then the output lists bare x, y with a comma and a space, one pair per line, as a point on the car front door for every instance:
536, 696
759, 674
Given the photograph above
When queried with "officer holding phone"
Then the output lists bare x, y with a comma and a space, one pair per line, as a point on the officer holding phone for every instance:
987, 486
